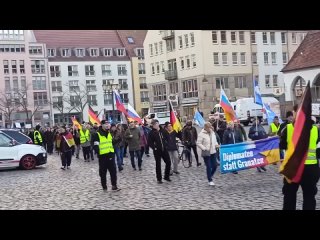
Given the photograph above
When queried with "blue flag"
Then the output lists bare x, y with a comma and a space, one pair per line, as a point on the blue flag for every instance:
270, 114
257, 94
198, 119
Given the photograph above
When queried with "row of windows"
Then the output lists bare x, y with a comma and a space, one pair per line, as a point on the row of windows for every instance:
12, 48
184, 40
235, 36
14, 85
157, 47
187, 62
55, 70
11, 35
222, 58
14, 66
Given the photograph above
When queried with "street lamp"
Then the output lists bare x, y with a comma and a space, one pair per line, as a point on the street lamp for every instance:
108, 89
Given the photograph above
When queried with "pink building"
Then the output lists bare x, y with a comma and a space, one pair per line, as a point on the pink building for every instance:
24, 87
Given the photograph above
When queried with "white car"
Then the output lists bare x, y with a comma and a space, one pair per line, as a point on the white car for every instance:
14, 154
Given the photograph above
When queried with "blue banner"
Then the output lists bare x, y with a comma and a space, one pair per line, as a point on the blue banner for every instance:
241, 156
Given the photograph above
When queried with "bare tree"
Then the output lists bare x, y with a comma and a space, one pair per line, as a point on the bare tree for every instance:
7, 106
60, 105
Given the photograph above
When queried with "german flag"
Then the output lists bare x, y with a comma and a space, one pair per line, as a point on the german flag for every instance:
174, 120
76, 123
293, 165
93, 118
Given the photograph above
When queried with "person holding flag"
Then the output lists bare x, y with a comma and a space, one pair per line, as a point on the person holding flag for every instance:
274, 127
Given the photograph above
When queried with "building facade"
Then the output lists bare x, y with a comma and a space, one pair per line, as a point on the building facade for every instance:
24, 76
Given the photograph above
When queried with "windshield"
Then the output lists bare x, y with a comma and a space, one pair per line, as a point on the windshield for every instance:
163, 115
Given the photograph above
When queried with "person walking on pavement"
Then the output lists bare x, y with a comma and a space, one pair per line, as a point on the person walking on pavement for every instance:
85, 142
37, 137
104, 142
76, 137
238, 127
146, 130
158, 143
172, 136
143, 141
66, 147
207, 142
132, 135
189, 138
274, 127
117, 136
310, 175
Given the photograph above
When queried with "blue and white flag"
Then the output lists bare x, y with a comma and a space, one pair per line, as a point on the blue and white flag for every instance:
270, 114
198, 119
257, 94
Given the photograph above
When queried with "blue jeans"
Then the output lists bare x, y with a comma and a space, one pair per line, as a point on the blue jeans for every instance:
138, 155
211, 165
119, 153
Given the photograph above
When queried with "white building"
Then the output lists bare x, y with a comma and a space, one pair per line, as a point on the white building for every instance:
80, 63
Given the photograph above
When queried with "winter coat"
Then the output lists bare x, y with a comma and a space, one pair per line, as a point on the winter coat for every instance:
230, 136
134, 142
158, 141
207, 141
172, 140
260, 130
190, 136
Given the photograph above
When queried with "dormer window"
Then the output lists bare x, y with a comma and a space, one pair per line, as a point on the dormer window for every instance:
94, 52
130, 40
80, 52
107, 52
51, 52
140, 53
65, 52
121, 52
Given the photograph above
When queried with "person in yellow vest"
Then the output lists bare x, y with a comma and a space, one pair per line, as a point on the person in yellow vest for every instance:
274, 127
37, 137
103, 139
310, 176
85, 142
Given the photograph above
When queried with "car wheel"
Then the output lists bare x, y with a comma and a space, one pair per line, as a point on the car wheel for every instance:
28, 162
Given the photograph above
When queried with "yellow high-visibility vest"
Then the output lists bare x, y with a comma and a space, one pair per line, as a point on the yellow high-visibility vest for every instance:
105, 145
274, 128
84, 136
39, 137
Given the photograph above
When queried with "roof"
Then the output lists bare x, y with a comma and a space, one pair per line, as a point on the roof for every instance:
137, 36
307, 55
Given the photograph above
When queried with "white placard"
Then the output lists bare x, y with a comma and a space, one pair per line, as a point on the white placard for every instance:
28, 126
18, 125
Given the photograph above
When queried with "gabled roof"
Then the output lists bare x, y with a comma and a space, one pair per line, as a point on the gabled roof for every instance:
307, 55
137, 36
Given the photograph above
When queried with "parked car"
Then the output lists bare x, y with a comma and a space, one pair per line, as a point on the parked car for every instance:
18, 136
25, 156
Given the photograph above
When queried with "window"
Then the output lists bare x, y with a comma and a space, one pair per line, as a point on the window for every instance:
11, 34
57, 102
124, 97
275, 80
39, 83
254, 58
173, 88
180, 42
222, 82
157, 68
253, 37
266, 58
123, 84
144, 96
273, 38
156, 48
89, 70
152, 69
151, 49
55, 71
92, 100
73, 71
130, 40
6, 66
91, 85
285, 58
40, 98
14, 66
264, 38
267, 81
223, 36
107, 82
240, 82
80, 52
75, 101
143, 84
283, 38
35, 50
162, 66
243, 58
161, 47
140, 53
21, 65
23, 83
122, 70
170, 45
65, 52
141, 67
188, 62
274, 58
182, 63
108, 99
190, 88
224, 58
56, 86
15, 84
7, 84
192, 39
4, 141
74, 86
51, 52
233, 37
193, 60
159, 92
241, 37
235, 58
302, 36
294, 38
186, 40
106, 70
37, 66
121, 52
216, 58
107, 52
214, 37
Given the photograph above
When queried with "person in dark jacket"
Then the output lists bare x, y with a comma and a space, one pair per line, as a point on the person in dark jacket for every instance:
146, 130
238, 127
189, 138
132, 135
220, 125
66, 147
76, 137
118, 136
172, 136
49, 140
157, 141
